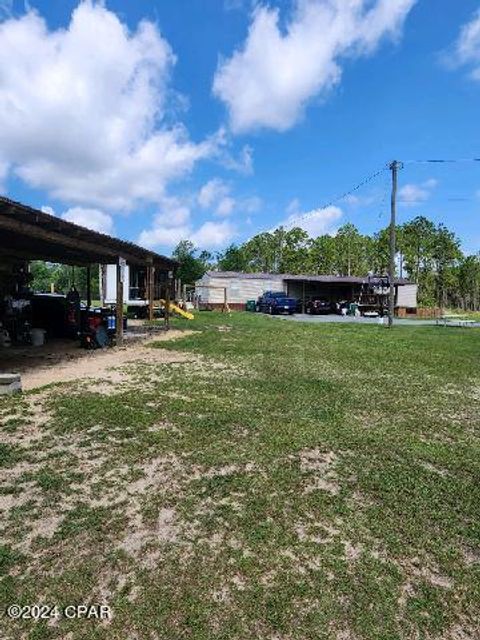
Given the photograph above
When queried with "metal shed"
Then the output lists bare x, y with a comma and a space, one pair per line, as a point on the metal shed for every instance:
247, 286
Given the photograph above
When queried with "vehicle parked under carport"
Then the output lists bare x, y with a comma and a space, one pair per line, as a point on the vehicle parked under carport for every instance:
275, 302
317, 306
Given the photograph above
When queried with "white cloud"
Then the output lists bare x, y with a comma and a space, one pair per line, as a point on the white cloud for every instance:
173, 223
215, 196
412, 194
160, 236
90, 218
269, 80
210, 235
83, 109
251, 205
213, 235
46, 209
212, 192
225, 206
467, 48
231, 5
293, 207
3, 176
173, 212
351, 199
316, 222
243, 163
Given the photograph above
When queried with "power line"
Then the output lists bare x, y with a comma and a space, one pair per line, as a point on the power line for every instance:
332, 202
314, 212
385, 190
441, 161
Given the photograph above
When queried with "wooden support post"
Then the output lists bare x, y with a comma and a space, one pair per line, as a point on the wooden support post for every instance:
225, 307
119, 307
167, 300
303, 297
89, 287
150, 290
147, 286
102, 279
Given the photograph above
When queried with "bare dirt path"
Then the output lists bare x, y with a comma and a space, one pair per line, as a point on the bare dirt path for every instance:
52, 366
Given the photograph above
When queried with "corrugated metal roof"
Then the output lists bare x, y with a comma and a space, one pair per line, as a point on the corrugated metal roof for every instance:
244, 276
332, 279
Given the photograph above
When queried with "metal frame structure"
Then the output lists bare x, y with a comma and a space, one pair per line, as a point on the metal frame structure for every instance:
29, 234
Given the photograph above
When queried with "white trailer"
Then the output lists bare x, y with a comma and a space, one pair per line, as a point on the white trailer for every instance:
108, 276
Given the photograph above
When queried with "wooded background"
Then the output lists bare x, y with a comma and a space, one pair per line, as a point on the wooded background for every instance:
429, 255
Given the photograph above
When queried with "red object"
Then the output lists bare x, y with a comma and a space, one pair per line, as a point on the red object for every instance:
94, 321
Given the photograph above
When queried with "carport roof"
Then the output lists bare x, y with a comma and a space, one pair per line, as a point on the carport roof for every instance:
327, 279
30, 234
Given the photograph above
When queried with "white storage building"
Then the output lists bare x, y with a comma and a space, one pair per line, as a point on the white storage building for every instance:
241, 287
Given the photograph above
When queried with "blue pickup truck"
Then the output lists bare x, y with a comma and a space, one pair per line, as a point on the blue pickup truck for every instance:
273, 302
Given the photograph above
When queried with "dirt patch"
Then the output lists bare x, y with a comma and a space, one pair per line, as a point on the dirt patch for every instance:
320, 466
99, 365
45, 527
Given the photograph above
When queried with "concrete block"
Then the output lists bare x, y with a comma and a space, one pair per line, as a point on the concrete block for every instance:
10, 383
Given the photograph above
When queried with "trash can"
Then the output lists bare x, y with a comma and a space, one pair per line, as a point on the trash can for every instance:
251, 305
38, 337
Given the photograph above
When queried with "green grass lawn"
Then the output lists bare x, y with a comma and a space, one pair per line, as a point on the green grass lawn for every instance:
281, 481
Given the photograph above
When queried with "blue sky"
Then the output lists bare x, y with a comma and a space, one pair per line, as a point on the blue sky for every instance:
216, 119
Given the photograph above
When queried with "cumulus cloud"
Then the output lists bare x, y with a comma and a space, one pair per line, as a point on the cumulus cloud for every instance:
293, 207
225, 206
269, 80
354, 200
209, 235
251, 205
242, 163
412, 194
161, 236
211, 192
213, 235
231, 5
173, 223
215, 196
90, 218
467, 47
316, 222
83, 110
3, 176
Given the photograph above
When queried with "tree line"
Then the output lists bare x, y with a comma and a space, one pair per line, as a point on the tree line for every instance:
62, 277
427, 254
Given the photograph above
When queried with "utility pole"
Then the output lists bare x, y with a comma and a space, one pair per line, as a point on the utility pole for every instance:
394, 167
